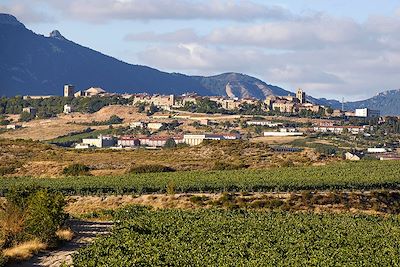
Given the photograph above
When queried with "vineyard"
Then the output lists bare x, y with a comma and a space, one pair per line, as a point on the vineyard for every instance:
365, 175
241, 238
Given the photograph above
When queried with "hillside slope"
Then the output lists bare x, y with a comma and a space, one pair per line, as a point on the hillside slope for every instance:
239, 85
37, 65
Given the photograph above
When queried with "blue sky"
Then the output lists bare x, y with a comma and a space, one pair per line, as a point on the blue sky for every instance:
329, 48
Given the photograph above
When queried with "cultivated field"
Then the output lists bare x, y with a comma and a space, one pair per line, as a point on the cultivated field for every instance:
244, 238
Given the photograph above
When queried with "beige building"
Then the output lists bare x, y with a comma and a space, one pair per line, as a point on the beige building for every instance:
69, 90
92, 91
30, 110
283, 106
155, 125
301, 96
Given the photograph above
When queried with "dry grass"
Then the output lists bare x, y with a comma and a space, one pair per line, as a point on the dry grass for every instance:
25, 250
46, 129
65, 234
276, 139
41, 160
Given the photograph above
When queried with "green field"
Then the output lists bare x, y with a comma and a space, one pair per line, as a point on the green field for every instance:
241, 238
365, 175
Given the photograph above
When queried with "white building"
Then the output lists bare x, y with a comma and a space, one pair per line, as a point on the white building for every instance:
196, 139
377, 150
67, 109
339, 129
155, 125
367, 113
100, 142
284, 132
263, 123
193, 139
137, 124
13, 126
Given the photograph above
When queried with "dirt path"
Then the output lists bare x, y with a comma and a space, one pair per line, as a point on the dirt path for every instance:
85, 233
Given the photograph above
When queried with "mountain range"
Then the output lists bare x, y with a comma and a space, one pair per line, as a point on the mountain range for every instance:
33, 64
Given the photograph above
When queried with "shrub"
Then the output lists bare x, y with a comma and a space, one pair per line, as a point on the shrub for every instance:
4, 122
171, 188
286, 163
45, 214
25, 116
198, 199
11, 225
6, 170
151, 168
76, 169
220, 166
31, 213
170, 143
114, 119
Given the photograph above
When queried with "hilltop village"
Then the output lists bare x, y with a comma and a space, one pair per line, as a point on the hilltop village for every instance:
157, 121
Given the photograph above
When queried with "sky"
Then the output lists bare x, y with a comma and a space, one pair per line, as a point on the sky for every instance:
329, 48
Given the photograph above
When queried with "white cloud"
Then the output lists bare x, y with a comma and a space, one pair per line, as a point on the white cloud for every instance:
26, 13
179, 36
101, 11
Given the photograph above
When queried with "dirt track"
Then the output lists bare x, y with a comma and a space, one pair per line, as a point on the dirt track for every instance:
85, 233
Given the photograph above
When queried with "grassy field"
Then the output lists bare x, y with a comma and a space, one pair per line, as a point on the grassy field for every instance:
36, 159
244, 238
365, 175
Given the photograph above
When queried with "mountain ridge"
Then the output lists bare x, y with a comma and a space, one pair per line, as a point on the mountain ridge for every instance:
33, 64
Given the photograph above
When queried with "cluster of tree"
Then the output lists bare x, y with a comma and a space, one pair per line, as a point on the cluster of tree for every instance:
171, 126
147, 108
204, 105
48, 107
114, 119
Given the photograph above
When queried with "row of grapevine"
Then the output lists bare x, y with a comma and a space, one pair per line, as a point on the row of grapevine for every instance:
241, 238
360, 176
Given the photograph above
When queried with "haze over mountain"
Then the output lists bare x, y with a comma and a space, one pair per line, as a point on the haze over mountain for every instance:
33, 64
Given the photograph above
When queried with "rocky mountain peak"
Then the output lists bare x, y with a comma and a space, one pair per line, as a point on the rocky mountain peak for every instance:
56, 34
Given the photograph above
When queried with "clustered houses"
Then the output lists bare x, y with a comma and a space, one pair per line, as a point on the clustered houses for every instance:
291, 104
167, 102
232, 103
154, 126
162, 101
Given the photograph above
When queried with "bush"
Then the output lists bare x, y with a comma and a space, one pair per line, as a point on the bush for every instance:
114, 119
76, 169
31, 213
45, 214
171, 188
220, 166
25, 116
6, 170
170, 143
4, 122
151, 168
